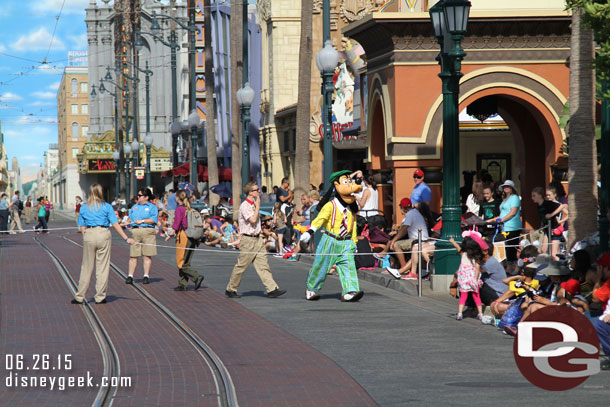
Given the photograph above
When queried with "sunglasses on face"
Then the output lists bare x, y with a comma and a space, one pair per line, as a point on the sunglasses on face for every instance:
416, 177
140, 195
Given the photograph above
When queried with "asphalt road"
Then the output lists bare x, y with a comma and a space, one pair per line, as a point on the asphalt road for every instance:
403, 350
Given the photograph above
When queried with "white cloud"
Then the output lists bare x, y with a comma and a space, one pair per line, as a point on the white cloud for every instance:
79, 41
25, 158
44, 95
53, 6
2, 48
54, 85
38, 41
34, 120
8, 96
51, 69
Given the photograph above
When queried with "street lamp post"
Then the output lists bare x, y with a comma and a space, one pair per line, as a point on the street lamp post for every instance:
326, 60
450, 19
604, 202
148, 141
127, 150
116, 156
194, 121
175, 130
245, 97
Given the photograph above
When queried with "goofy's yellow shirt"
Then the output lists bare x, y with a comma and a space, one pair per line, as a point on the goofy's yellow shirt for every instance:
331, 218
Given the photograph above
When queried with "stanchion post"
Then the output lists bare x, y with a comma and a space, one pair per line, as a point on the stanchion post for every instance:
548, 246
419, 258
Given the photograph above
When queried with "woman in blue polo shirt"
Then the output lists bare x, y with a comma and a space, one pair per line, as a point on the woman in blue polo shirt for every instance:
510, 215
94, 218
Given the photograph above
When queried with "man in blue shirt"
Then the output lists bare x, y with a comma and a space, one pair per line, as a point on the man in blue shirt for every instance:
144, 217
421, 191
171, 207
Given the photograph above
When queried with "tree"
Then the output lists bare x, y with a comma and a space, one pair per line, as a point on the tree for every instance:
582, 175
303, 100
236, 27
210, 102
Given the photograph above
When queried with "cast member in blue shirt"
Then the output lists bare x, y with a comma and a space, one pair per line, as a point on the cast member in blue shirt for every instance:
144, 217
93, 220
421, 191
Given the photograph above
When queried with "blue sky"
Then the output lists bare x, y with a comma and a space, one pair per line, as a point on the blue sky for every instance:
28, 87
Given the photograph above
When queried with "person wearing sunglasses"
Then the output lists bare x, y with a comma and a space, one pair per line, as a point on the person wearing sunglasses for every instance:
252, 246
144, 216
421, 191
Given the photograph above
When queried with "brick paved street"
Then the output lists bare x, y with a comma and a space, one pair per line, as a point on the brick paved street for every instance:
390, 349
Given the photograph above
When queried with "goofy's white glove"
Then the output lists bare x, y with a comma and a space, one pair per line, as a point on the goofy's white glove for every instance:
306, 237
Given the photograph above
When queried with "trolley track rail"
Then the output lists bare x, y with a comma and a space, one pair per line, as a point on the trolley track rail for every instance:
227, 396
112, 367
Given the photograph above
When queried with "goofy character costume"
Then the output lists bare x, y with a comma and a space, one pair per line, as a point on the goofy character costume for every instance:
338, 243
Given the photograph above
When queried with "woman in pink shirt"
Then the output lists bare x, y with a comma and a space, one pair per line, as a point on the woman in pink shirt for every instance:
184, 244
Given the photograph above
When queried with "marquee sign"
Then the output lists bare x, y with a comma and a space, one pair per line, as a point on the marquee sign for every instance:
100, 165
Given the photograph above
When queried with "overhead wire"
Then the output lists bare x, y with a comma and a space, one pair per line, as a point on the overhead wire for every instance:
44, 61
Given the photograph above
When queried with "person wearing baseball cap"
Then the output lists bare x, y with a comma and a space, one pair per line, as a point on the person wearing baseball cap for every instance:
510, 216
405, 238
421, 191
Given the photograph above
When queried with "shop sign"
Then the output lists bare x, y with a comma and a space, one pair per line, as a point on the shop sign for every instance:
160, 164
101, 165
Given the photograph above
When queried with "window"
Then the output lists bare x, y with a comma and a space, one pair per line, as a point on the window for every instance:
84, 109
84, 88
74, 152
84, 131
75, 131
74, 86
74, 109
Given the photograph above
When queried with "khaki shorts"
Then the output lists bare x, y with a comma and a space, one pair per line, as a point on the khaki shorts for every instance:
405, 245
146, 236
213, 235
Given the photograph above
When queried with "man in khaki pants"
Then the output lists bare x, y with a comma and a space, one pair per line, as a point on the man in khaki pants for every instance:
252, 246
28, 210
144, 217
15, 214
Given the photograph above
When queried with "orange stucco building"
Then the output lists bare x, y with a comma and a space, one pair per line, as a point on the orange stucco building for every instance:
516, 60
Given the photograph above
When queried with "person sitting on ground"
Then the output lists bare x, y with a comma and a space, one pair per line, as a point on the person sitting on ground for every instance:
405, 237
228, 233
269, 235
493, 276
580, 263
212, 237
529, 256
552, 293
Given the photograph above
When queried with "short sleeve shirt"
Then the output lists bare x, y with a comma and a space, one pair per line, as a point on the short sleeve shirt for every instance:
414, 220
103, 215
217, 223
281, 192
546, 208
493, 275
513, 223
141, 212
171, 202
421, 193
246, 210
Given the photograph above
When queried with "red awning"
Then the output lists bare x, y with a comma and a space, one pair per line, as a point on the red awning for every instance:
224, 174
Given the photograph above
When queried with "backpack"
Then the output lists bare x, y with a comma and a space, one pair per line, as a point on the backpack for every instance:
194, 228
20, 204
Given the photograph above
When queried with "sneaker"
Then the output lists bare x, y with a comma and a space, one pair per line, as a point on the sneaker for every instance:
198, 281
487, 320
394, 273
311, 295
459, 316
510, 330
291, 258
276, 293
180, 288
278, 255
232, 294
409, 276
129, 280
605, 365
146, 280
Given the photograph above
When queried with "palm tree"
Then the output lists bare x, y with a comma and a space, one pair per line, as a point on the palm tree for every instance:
303, 102
582, 175
236, 28
210, 103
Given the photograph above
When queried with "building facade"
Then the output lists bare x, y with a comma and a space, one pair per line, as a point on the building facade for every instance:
4, 179
72, 132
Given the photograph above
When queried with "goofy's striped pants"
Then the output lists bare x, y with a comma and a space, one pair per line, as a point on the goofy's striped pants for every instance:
331, 252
